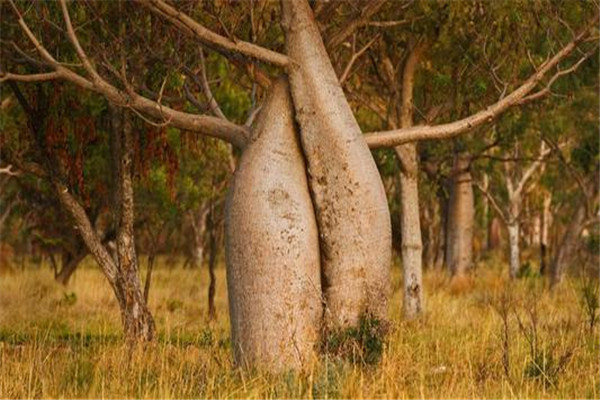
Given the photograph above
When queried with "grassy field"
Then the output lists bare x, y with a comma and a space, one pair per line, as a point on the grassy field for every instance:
480, 339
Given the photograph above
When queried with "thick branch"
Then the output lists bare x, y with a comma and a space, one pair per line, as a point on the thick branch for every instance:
207, 125
408, 80
211, 39
449, 130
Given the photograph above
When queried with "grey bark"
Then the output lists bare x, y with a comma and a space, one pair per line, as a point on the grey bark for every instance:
121, 274
412, 243
272, 248
567, 248
461, 216
412, 247
545, 233
137, 320
514, 248
195, 245
350, 202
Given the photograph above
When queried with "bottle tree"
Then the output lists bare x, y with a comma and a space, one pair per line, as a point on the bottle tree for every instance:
350, 208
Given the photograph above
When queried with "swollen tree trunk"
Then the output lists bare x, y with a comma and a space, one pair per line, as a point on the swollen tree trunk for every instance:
461, 216
272, 248
514, 248
350, 202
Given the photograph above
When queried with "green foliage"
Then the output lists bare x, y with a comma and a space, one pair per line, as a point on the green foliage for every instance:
527, 271
69, 299
362, 344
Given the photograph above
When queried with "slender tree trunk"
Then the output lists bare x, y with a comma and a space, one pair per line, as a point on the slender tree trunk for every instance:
120, 271
350, 202
212, 262
567, 249
412, 243
545, 234
432, 224
536, 230
137, 320
69, 264
494, 234
443, 226
461, 218
412, 247
487, 217
514, 248
272, 248
198, 223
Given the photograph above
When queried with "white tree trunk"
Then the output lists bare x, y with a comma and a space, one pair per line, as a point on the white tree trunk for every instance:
272, 248
545, 233
412, 246
514, 248
350, 202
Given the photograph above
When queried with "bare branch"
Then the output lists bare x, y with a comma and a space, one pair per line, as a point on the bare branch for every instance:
544, 151
388, 24
547, 89
356, 56
207, 125
41, 77
349, 28
8, 171
492, 200
211, 39
212, 102
449, 130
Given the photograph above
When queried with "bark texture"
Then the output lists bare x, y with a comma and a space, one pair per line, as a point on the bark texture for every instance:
137, 320
461, 216
514, 232
349, 198
120, 269
412, 242
545, 233
272, 248
412, 246
567, 249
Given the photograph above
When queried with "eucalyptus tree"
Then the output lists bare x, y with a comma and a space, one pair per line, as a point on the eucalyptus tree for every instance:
517, 182
343, 232
456, 57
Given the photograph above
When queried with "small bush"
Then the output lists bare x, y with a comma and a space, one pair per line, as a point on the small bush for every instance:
362, 344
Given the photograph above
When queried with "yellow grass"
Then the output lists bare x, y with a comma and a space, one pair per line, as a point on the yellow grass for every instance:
65, 342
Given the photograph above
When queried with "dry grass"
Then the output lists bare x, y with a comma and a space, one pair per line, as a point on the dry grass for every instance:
65, 342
